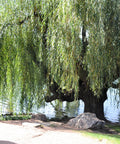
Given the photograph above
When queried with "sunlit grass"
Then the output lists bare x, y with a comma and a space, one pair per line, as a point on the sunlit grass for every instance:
108, 138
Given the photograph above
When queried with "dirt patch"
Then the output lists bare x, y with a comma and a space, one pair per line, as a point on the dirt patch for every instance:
38, 132
52, 125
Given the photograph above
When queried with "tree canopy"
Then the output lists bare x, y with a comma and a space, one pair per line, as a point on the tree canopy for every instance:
57, 42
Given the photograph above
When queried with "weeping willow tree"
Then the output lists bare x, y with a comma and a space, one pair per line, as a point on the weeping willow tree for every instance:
59, 49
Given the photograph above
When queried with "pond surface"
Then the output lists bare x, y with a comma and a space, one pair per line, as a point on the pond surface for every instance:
72, 109
111, 107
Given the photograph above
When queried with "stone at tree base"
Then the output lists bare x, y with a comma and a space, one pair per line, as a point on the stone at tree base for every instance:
39, 116
86, 121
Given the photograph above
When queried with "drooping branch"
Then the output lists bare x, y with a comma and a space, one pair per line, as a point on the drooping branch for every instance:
69, 96
84, 42
57, 93
14, 24
20, 22
80, 65
64, 95
24, 20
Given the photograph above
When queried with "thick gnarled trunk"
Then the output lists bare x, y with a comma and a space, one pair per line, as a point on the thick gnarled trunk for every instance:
92, 103
95, 105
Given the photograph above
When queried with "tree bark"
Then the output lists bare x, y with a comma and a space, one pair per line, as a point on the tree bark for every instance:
94, 104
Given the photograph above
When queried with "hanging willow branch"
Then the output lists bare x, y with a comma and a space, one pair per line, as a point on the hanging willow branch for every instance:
57, 48
23, 21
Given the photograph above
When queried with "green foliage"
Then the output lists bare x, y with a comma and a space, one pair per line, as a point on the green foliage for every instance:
15, 117
102, 57
41, 41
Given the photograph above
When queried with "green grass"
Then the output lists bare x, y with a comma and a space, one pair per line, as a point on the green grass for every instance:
15, 117
111, 139
114, 127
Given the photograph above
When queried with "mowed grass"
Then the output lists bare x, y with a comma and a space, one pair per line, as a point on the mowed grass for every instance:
106, 138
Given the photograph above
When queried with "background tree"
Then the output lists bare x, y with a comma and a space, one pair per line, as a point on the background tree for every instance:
59, 49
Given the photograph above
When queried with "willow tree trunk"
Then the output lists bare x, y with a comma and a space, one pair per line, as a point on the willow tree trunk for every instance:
95, 104
92, 103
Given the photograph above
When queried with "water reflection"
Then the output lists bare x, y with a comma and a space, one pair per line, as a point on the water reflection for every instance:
111, 107
59, 109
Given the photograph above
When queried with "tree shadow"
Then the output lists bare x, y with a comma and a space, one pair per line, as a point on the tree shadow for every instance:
6, 142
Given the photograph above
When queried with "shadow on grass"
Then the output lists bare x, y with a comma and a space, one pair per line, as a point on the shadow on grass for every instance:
6, 142
112, 138
107, 135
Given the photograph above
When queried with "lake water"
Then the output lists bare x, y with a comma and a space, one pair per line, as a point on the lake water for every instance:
111, 107
58, 109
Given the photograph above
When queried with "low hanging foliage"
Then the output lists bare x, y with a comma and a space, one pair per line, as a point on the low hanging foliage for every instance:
41, 41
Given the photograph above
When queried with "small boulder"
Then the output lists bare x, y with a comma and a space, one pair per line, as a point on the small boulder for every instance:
86, 121
39, 116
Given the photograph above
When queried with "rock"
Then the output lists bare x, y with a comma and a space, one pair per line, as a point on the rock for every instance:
39, 116
86, 121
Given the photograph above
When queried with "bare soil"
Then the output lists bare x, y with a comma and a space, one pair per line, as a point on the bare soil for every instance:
38, 132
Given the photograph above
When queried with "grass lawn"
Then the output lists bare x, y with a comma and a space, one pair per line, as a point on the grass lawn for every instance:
109, 138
